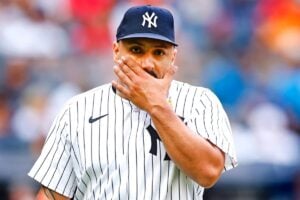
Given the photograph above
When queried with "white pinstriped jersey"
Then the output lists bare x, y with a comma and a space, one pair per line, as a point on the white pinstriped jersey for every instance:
102, 146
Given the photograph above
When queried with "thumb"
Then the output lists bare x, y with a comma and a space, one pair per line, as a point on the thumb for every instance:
170, 73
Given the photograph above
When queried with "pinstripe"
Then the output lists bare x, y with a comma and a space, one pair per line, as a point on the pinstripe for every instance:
73, 188
192, 106
115, 134
212, 114
228, 128
123, 143
160, 166
183, 107
83, 133
131, 116
68, 180
100, 108
84, 184
106, 142
72, 150
224, 136
179, 93
152, 178
110, 159
77, 134
140, 155
136, 156
52, 156
62, 173
120, 184
56, 165
99, 141
204, 122
144, 153
84, 144
48, 153
109, 94
218, 122
123, 121
92, 114
52, 130
82, 194
176, 110
84, 141
107, 131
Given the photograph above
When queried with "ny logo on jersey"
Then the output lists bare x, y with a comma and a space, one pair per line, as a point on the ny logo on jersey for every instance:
154, 137
150, 19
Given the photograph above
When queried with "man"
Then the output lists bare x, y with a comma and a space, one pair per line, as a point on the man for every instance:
145, 136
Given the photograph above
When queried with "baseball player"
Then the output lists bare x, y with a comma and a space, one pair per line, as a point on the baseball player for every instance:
143, 136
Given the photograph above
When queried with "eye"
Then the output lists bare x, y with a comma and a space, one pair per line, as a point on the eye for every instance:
159, 52
136, 50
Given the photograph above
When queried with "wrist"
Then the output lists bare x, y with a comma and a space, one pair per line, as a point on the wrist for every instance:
158, 109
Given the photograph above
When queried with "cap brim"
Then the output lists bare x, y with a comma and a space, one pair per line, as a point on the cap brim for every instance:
148, 35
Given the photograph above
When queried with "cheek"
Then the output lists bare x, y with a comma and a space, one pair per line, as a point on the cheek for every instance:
121, 52
126, 53
162, 68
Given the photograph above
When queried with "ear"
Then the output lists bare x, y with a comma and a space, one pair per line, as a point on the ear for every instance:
174, 55
116, 51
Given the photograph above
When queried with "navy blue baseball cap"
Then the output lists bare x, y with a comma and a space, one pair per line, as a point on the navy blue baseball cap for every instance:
147, 22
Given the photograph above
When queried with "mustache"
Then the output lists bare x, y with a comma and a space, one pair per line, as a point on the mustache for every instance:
152, 73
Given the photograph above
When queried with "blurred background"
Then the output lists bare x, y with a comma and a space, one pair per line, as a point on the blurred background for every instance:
246, 51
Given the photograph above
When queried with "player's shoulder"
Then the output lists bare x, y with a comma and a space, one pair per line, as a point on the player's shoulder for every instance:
88, 94
198, 92
183, 86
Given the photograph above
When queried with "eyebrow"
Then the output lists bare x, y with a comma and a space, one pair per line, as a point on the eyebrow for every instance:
162, 45
156, 45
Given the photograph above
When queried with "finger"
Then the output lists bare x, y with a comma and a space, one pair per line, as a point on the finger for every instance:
127, 70
132, 64
122, 76
123, 90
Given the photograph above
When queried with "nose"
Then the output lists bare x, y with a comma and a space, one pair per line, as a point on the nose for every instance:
147, 63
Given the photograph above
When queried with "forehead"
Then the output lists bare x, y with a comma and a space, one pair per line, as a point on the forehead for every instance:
147, 42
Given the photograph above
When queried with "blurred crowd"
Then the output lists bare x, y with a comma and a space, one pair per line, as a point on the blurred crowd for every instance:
246, 51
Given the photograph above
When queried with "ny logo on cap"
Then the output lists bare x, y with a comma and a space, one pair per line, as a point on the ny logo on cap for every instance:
150, 19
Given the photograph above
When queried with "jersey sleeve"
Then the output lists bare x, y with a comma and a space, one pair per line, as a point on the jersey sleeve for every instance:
209, 120
53, 168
